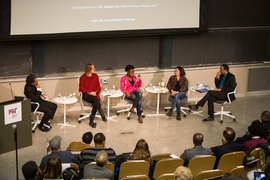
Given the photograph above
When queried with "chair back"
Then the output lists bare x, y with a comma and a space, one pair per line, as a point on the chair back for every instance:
83, 102
67, 165
256, 153
136, 177
110, 166
238, 170
209, 174
158, 157
231, 160
201, 163
164, 166
131, 168
168, 176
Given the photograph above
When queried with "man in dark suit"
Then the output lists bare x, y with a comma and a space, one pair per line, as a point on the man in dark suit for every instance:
197, 150
228, 145
98, 170
32, 90
225, 83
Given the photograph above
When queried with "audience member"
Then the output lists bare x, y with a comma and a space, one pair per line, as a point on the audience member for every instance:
248, 136
32, 90
31, 171
81, 145
250, 164
225, 83
98, 170
177, 86
183, 173
55, 146
89, 154
240, 177
129, 85
53, 168
228, 176
267, 169
265, 118
141, 152
255, 131
198, 149
227, 145
71, 174
90, 88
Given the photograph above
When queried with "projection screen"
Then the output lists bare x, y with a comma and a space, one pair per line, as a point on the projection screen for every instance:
68, 16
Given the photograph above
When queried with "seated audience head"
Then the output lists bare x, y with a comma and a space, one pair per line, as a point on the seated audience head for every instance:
183, 173
179, 71
89, 68
250, 162
55, 143
229, 134
197, 139
240, 177
99, 139
30, 170
87, 138
53, 167
141, 151
31, 79
101, 158
265, 116
256, 130
71, 174
267, 166
228, 176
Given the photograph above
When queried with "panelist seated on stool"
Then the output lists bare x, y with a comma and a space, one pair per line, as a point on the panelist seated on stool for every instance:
225, 83
177, 86
129, 85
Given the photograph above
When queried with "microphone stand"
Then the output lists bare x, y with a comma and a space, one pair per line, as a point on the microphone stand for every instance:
16, 147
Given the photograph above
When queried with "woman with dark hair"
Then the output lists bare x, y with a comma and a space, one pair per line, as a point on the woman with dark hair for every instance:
90, 88
32, 90
53, 168
129, 85
177, 86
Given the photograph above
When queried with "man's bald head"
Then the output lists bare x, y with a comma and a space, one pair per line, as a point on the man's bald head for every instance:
101, 158
197, 139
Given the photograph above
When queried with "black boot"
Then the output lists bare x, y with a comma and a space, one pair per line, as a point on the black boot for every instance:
170, 112
102, 115
92, 123
178, 116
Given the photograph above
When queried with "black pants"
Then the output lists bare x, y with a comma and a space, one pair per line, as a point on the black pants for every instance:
94, 101
49, 109
211, 97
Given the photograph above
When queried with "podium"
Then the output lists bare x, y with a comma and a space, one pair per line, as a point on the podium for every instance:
23, 127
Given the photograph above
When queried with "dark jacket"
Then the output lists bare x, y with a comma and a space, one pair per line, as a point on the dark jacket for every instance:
182, 81
229, 84
31, 92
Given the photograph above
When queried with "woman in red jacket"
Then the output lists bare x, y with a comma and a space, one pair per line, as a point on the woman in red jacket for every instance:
90, 88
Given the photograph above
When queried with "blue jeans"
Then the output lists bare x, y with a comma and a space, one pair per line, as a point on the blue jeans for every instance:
176, 100
136, 97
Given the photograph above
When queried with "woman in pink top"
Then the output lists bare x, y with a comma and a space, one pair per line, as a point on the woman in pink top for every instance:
129, 85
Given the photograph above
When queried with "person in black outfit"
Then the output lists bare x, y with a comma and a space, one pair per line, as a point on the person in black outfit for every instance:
33, 91
225, 83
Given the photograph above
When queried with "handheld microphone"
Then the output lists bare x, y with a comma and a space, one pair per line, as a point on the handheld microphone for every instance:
14, 126
11, 91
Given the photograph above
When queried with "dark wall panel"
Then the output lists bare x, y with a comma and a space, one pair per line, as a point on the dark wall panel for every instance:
220, 47
105, 53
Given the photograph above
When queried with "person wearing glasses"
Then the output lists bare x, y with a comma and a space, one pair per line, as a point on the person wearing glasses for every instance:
129, 85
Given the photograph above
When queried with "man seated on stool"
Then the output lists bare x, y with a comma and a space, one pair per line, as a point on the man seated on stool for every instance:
225, 83
129, 85
98, 170
32, 90
197, 150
